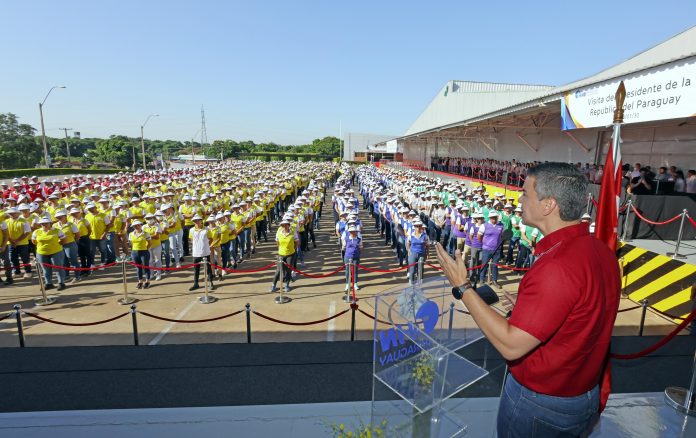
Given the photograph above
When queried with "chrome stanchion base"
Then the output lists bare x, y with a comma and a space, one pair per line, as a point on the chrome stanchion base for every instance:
40, 301
676, 398
125, 301
282, 299
207, 299
676, 256
347, 298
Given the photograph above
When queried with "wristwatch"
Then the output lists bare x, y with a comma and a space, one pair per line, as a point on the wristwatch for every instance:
458, 292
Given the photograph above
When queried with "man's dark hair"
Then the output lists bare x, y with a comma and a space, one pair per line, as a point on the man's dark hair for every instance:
564, 183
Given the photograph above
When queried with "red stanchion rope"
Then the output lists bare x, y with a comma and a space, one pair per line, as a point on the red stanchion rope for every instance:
292, 268
319, 321
433, 266
2, 318
262, 268
23, 265
96, 268
661, 343
693, 223
365, 268
630, 308
655, 223
74, 324
163, 268
191, 321
596, 204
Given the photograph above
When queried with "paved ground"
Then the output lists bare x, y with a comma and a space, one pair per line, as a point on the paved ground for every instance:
95, 299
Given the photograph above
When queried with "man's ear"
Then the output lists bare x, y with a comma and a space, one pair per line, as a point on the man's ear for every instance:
550, 205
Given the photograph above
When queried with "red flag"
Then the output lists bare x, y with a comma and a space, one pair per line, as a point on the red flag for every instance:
606, 229
607, 223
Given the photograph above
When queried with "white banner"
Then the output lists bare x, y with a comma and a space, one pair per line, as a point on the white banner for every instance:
392, 147
663, 92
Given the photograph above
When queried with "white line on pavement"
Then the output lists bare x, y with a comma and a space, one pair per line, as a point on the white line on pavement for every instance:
169, 326
331, 325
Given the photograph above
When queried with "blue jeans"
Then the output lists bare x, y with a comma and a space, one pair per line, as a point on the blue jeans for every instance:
234, 244
17, 252
485, 257
55, 259
526, 414
93, 244
111, 251
70, 251
413, 270
142, 257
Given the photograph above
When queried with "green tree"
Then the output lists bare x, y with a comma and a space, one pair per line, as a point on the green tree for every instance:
18, 147
117, 150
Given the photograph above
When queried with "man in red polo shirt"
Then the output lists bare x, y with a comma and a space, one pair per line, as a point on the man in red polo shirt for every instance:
557, 339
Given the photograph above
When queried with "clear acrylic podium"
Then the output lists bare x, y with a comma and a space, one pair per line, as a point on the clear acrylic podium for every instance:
415, 362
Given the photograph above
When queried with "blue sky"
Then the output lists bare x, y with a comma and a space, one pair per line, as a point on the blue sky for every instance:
291, 71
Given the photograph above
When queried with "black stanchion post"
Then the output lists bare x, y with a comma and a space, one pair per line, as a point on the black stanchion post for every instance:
248, 321
643, 303
134, 317
20, 330
451, 320
353, 306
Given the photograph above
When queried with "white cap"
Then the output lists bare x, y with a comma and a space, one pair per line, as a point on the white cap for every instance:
137, 222
197, 218
60, 213
492, 214
44, 220
23, 207
75, 210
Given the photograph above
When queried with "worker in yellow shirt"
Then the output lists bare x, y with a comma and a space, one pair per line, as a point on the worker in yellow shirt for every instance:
288, 241
140, 241
99, 224
188, 210
49, 243
83, 245
237, 219
4, 248
18, 233
224, 227
215, 248
70, 249
152, 228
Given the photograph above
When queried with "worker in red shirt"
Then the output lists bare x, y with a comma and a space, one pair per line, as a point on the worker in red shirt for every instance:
556, 342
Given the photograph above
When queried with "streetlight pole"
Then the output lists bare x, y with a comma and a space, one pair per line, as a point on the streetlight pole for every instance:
67, 143
142, 138
43, 129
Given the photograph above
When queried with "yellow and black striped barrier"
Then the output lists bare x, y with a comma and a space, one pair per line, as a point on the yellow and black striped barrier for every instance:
664, 282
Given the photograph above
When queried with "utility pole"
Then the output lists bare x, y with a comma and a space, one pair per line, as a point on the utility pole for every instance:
67, 143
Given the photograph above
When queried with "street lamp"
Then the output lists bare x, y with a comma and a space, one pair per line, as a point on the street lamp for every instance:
142, 140
43, 130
